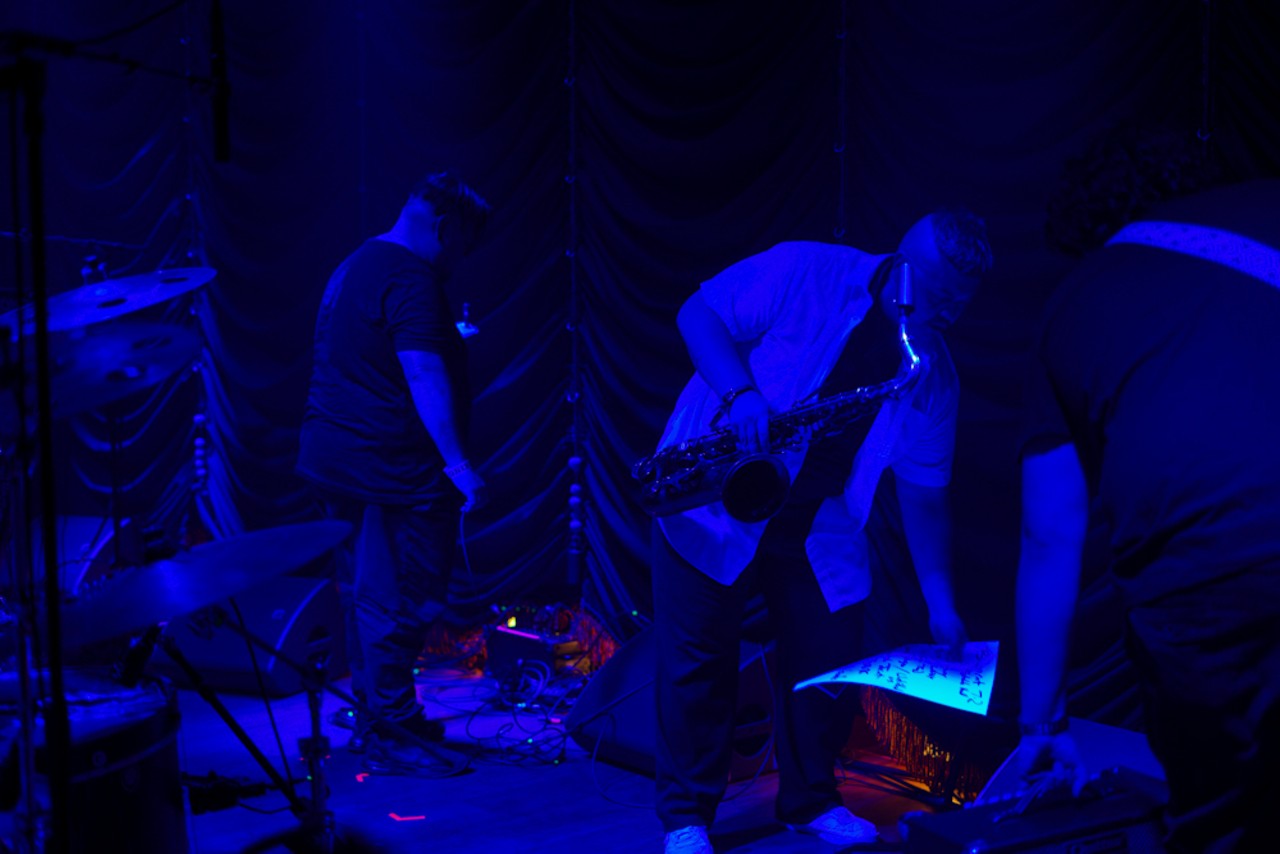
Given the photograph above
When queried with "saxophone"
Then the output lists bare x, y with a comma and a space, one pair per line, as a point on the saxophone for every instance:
753, 487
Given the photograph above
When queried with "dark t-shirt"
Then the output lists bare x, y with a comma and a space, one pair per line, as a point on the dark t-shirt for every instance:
1164, 369
361, 435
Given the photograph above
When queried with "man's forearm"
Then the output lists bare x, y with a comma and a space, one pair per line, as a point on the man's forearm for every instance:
1054, 517
432, 395
433, 405
711, 347
1046, 601
926, 522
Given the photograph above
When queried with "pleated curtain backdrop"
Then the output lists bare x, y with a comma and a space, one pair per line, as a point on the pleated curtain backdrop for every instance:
630, 150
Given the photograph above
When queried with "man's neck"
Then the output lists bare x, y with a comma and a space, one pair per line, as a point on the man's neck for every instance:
400, 236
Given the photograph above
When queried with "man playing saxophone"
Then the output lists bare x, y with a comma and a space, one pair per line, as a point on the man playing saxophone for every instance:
801, 320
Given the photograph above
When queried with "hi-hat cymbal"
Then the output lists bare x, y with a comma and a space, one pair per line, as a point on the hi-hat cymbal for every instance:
101, 301
94, 367
188, 581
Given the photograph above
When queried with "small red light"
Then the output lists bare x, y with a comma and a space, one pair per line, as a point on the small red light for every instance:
406, 817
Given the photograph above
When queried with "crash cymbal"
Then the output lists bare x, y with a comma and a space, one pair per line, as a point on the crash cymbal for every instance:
94, 367
101, 301
137, 598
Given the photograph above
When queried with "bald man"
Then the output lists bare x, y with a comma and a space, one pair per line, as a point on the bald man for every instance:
798, 320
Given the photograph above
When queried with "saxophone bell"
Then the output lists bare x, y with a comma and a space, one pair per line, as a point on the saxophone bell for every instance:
751, 487
756, 487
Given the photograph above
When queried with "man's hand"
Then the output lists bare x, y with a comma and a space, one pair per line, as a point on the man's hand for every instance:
472, 487
1050, 759
748, 418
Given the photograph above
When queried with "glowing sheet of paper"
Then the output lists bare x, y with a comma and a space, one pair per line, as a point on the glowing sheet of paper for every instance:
923, 670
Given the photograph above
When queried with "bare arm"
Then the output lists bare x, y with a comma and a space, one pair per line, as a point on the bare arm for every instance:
1054, 518
715, 356
926, 521
1054, 513
433, 399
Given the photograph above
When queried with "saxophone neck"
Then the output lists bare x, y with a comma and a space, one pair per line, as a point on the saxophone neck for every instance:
904, 300
911, 363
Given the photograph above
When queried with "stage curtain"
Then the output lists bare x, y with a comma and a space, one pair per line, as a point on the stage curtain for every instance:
630, 150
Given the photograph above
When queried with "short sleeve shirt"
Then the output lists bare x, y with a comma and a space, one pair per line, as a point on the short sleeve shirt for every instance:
1161, 368
362, 435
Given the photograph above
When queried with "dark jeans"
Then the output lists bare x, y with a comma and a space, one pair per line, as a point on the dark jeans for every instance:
1210, 666
393, 578
697, 623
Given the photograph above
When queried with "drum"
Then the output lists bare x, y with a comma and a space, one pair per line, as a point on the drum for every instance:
126, 786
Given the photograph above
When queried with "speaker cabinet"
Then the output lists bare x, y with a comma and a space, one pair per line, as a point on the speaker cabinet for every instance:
300, 617
615, 715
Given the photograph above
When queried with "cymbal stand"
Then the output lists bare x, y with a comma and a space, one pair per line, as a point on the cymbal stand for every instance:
26, 77
30, 820
170, 647
315, 750
308, 672
116, 492
315, 746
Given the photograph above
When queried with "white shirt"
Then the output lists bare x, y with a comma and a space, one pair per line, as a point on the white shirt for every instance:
790, 309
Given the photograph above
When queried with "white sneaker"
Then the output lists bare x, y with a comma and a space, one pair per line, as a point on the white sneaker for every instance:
839, 827
688, 840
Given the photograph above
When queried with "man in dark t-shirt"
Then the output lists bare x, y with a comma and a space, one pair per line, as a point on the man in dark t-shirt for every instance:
384, 442
1153, 405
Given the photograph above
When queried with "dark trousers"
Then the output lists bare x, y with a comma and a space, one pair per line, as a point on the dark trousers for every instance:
393, 579
1209, 660
697, 623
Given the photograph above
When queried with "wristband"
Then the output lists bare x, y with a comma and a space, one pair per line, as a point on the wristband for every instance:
1051, 728
453, 471
730, 396
726, 403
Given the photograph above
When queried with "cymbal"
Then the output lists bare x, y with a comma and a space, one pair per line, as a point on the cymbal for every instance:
174, 587
92, 368
107, 300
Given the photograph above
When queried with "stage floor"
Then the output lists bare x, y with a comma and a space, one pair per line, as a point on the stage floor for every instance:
506, 798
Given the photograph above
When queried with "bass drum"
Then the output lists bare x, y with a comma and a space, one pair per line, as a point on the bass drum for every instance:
126, 785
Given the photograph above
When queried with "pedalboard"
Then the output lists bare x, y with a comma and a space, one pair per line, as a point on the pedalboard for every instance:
508, 651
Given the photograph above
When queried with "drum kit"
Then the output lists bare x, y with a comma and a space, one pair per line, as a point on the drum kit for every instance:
116, 716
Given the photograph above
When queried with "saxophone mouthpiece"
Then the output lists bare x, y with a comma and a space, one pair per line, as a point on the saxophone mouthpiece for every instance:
905, 300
